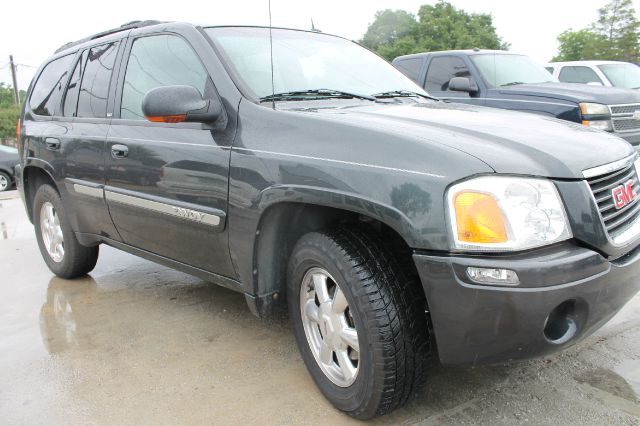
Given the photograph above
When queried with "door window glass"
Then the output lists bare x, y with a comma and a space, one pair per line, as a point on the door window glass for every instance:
46, 92
579, 75
96, 77
441, 70
155, 61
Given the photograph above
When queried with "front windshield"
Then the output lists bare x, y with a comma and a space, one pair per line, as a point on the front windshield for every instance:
504, 70
622, 75
305, 61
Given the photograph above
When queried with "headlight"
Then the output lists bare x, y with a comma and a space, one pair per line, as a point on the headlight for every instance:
500, 213
605, 125
587, 108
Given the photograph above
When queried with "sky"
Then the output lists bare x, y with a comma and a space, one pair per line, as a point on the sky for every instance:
33, 33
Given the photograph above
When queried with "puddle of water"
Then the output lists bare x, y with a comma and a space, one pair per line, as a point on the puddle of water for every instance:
623, 381
630, 370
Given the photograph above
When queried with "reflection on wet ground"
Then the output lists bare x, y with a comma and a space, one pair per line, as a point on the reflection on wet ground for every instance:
139, 343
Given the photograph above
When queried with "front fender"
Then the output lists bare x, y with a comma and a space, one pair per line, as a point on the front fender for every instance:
342, 200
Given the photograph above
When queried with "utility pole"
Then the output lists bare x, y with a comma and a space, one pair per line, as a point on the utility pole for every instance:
15, 80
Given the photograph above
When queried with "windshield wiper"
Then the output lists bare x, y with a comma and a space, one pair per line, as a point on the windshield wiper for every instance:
402, 93
513, 83
314, 94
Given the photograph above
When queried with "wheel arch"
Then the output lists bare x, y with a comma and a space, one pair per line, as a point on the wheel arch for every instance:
292, 212
34, 175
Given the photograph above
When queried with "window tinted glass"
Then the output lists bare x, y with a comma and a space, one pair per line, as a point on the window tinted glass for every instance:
410, 67
71, 96
94, 89
579, 75
550, 69
443, 69
46, 92
156, 61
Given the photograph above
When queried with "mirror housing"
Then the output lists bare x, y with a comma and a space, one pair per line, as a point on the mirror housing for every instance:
177, 104
463, 84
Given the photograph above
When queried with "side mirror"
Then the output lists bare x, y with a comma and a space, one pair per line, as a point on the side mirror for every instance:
176, 104
463, 84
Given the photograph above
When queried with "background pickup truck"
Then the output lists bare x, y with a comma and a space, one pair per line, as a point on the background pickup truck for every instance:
511, 81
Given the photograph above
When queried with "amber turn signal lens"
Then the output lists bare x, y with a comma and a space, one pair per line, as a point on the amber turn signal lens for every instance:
479, 219
168, 118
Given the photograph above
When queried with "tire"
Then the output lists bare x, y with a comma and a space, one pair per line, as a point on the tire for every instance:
5, 182
386, 306
66, 258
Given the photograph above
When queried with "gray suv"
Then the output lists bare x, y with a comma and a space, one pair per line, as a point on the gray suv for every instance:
396, 228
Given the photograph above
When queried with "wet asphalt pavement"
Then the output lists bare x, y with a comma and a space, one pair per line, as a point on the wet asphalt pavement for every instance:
138, 343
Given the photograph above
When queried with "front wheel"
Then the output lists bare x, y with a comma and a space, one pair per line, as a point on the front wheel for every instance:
60, 249
359, 320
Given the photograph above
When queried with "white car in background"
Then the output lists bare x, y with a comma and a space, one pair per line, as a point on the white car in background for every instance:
600, 73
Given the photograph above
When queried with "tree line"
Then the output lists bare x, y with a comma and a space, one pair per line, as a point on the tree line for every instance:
9, 112
614, 36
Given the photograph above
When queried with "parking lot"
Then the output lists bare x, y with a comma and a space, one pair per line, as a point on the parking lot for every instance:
136, 342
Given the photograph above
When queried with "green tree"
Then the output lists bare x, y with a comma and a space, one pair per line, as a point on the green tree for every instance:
9, 112
614, 36
619, 26
443, 27
579, 45
438, 27
388, 27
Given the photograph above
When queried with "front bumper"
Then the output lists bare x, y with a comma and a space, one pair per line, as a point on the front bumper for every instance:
483, 324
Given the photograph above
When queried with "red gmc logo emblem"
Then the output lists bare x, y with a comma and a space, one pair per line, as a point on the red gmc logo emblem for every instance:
623, 194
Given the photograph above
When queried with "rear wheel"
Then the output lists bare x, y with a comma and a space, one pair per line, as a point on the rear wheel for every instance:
359, 320
60, 249
5, 182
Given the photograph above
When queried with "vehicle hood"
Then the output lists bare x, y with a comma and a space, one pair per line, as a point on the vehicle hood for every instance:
574, 92
507, 141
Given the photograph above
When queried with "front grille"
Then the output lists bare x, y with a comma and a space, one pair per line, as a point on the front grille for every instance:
625, 124
616, 221
622, 117
624, 109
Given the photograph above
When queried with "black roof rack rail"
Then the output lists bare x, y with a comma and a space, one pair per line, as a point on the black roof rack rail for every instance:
128, 26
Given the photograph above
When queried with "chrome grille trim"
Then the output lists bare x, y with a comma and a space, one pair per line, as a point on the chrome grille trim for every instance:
622, 117
621, 225
608, 168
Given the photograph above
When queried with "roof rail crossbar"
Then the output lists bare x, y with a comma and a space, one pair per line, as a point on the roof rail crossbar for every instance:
128, 26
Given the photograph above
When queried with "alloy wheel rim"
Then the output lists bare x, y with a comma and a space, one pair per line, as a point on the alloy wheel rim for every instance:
329, 327
4, 183
51, 230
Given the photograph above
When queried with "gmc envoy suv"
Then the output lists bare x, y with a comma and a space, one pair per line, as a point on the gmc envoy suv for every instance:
302, 170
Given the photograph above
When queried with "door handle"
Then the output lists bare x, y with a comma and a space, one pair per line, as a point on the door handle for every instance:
119, 151
52, 144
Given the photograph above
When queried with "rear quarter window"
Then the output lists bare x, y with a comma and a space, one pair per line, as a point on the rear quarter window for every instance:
46, 92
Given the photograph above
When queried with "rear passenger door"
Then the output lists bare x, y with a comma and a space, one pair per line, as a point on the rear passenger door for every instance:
167, 183
73, 141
